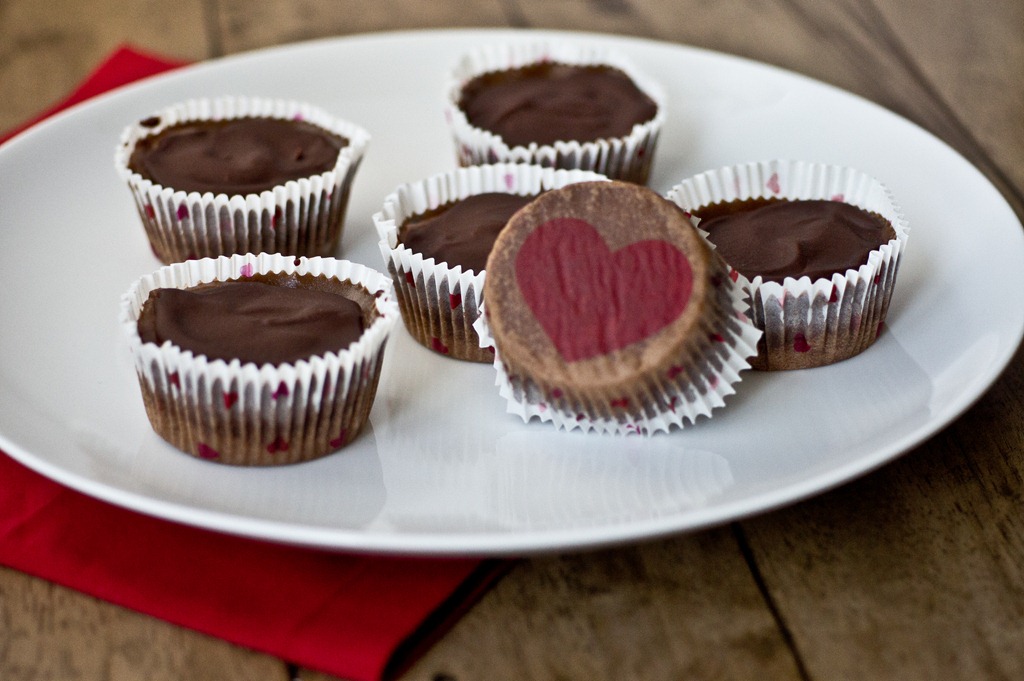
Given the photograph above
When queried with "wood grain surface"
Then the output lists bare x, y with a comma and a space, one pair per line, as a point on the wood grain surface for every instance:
911, 572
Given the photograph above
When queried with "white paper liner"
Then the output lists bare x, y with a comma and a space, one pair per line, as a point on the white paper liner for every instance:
439, 303
806, 322
625, 158
301, 217
259, 415
695, 392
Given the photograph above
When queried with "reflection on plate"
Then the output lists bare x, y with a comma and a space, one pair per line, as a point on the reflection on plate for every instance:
442, 468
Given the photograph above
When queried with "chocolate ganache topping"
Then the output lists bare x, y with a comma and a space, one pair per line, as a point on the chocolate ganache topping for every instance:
271, 318
238, 156
548, 102
462, 233
778, 238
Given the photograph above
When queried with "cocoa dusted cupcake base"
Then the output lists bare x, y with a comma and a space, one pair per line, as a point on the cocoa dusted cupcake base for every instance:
608, 312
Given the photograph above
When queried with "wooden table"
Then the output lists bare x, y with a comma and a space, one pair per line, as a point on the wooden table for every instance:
915, 571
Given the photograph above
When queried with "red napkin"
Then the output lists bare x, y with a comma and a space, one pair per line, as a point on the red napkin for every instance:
355, 616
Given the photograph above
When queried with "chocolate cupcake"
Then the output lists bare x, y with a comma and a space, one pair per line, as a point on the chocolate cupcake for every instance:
259, 359
237, 175
555, 105
609, 312
817, 248
436, 235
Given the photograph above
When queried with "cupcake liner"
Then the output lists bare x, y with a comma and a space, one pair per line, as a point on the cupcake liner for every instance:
300, 217
245, 414
809, 323
696, 383
439, 303
626, 158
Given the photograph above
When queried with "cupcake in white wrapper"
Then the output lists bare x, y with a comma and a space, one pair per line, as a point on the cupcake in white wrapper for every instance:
809, 321
302, 216
608, 312
624, 155
440, 300
268, 413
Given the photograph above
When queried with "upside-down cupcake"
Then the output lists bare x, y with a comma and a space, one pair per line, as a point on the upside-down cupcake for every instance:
259, 359
556, 105
436, 235
241, 175
817, 248
609, 312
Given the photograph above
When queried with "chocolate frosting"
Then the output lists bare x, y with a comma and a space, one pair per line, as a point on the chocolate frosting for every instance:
548, 102
782, 238
461, 233
263, 319
239, 156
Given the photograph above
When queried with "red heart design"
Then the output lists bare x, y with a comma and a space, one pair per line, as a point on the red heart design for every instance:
590, 300
278, 445
206, 451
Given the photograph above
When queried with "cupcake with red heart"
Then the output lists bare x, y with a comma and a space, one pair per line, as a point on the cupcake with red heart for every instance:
817, 248
436, 235
555, 104
259, 360
609, 312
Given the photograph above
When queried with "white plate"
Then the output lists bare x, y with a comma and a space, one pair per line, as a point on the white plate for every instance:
442, 469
